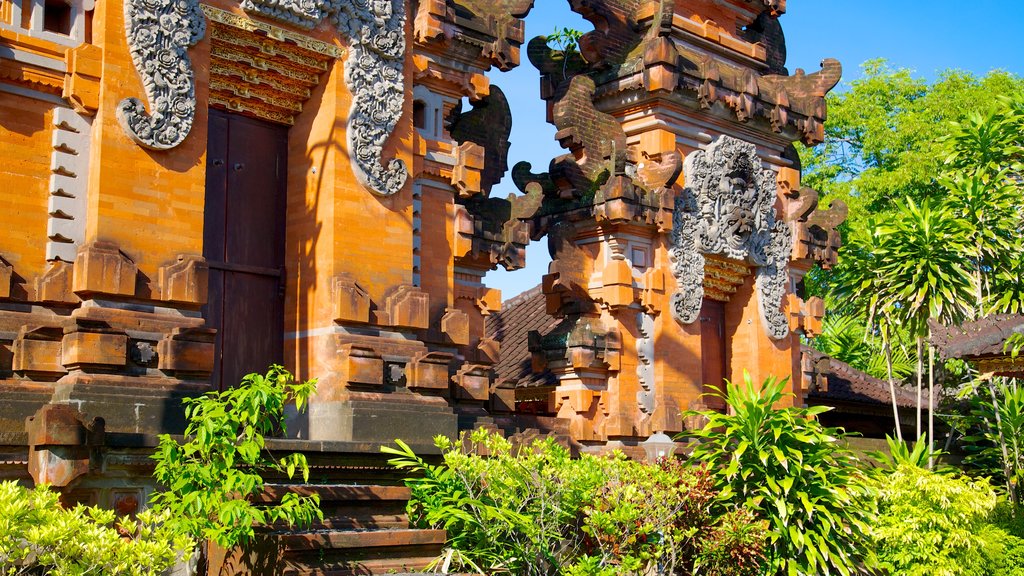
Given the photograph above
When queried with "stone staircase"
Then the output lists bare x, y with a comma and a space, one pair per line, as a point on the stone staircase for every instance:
365, 531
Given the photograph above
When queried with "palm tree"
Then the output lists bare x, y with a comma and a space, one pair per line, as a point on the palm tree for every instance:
920, 258
857, 286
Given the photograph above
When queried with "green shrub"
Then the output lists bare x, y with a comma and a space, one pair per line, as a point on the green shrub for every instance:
942, 525
209, 477
38, 536
793, 473
539, 511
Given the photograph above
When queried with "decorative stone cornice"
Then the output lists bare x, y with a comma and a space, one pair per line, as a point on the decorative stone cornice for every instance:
373, 73
727, 208
159, 33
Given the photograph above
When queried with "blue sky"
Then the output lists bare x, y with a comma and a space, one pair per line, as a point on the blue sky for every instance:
927, 36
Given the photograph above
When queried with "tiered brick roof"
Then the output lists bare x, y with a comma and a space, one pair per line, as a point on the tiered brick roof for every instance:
512, 326
985, 337
848, 385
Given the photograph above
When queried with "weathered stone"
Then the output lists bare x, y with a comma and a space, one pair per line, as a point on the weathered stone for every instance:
362, 366
93, 347
406, 306
189, 351
455, 325
6, 271
60, 441
37, 352
56, 284
429, 372
472, 382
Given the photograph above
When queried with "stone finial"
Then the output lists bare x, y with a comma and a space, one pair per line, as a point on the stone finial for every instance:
361, 366
101, 268
428, 372
455, 326
55, 284
93, 345
473, 382
406, 306
351, 301
37, 352
6, 274
186, 280
82, 82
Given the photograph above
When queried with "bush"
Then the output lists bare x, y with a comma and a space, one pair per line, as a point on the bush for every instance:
38, 536
210, 476
942, 525
792, 472
539, 511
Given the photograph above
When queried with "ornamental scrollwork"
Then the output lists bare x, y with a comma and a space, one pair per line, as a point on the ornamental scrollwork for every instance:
727, 209
373, 73
159, 33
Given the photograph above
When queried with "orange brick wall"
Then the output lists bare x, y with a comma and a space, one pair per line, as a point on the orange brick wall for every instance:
26, 138
150, 203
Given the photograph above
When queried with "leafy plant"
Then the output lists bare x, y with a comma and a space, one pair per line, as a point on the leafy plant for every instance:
41, 537
539, 511
899, 455
994, 433
211, 475
564, 39
931, 524
792, 472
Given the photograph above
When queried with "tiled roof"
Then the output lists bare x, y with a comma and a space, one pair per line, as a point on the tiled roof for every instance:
985, 337
848, 385
518, 317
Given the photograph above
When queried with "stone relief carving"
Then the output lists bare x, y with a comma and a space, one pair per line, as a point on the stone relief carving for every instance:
645, 367
373, 73
159, 33
727, 208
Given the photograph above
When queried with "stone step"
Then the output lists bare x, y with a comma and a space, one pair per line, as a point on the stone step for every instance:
340, 553
349, 507
352, 507
365, 531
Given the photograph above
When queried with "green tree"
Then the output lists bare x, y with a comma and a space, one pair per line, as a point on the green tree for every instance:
885, 138
921, 259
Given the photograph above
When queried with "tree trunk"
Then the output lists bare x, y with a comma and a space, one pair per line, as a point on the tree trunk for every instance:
887, 347
1011, 486
931, 403
920, 369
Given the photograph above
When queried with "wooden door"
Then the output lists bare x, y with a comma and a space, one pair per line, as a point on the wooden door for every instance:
243, 242
713, 360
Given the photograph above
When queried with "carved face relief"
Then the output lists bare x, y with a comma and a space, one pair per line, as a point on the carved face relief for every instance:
727, 208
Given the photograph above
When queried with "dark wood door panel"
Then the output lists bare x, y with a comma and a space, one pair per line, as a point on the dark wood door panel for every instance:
712, 333
255, 194
244, 243
253, 335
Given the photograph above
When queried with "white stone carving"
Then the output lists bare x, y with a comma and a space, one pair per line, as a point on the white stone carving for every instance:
159, 33
373, 73
69, 166
727, 208
645, 398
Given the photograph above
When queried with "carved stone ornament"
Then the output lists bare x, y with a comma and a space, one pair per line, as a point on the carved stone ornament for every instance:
159, 33
727, 208
373, 73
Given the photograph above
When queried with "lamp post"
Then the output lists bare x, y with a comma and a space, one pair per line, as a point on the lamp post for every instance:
658, 445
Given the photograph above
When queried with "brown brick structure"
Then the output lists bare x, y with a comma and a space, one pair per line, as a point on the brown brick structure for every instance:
299, 183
